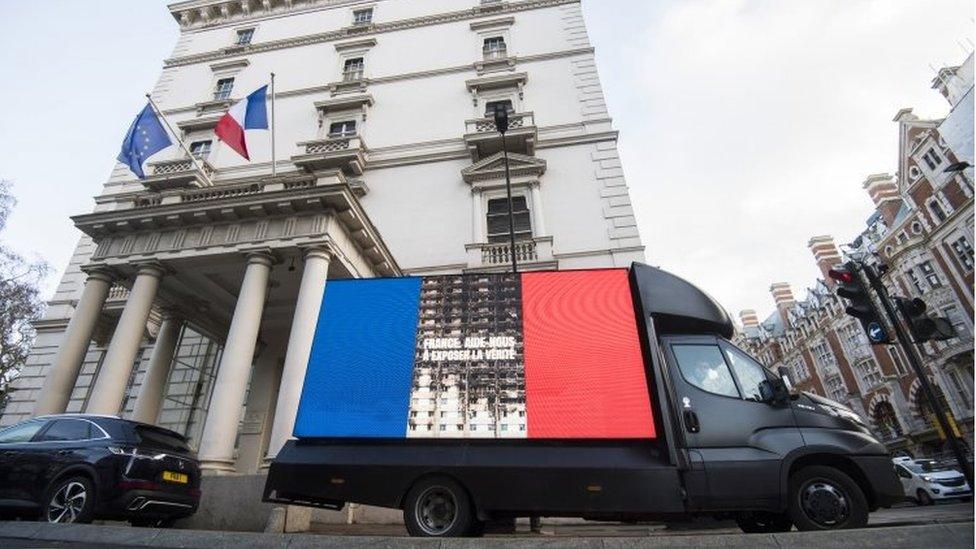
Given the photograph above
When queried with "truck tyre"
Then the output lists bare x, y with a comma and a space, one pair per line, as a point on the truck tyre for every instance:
764, 523
438, 507
824, 498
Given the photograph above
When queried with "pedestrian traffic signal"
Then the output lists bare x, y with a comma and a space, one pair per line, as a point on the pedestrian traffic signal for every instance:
922, 326
851, 287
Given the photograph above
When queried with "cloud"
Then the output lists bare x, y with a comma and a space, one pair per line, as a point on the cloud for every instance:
748, 126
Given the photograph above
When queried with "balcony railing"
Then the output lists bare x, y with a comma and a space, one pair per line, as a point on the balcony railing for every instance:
500, 253
178, 173
482, 137
347, 152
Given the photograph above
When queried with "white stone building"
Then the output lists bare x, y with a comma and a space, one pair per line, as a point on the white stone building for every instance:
192, 305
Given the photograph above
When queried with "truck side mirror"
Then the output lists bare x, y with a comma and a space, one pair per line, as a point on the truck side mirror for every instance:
774, 391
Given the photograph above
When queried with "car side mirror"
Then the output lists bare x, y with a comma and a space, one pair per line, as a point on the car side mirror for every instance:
774, 391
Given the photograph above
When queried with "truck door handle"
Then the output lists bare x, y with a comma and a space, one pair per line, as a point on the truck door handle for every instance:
691, 421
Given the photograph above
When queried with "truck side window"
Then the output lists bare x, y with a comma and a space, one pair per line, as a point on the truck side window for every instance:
749, 372
704, 367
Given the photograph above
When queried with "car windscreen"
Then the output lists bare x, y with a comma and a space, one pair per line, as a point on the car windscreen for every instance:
920, 467
162, 439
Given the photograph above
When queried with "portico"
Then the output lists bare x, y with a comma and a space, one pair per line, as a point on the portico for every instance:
246, 264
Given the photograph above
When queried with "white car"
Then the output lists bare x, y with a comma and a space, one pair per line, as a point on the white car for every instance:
926, 482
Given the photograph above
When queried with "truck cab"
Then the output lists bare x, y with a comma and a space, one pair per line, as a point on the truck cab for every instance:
729, 439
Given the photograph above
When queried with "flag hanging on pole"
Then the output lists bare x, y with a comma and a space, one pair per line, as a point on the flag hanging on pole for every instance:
250, 113
146, 137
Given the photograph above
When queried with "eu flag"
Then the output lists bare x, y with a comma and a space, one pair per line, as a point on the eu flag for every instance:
145, 138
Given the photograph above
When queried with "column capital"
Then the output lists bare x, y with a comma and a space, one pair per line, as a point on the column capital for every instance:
323, 250
100, 272
261, 256
150, 268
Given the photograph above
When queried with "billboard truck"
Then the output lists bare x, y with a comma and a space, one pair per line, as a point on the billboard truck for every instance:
608, 394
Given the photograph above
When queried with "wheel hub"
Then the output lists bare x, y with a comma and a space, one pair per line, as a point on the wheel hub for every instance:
67, 503
436, 510
824, 503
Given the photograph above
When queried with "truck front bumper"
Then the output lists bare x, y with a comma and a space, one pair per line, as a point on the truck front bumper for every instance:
880, 473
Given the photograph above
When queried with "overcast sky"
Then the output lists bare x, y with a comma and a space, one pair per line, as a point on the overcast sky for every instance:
746, 126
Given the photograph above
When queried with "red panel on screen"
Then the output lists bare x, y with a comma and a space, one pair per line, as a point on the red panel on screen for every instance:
584, 372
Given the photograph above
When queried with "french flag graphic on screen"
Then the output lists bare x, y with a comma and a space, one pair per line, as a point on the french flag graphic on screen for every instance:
546, 355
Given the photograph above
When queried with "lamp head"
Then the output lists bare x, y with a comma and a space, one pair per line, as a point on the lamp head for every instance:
501, 118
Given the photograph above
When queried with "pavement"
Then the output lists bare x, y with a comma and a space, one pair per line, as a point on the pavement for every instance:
941, 526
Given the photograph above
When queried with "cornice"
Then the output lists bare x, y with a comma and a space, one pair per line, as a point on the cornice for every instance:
377, 28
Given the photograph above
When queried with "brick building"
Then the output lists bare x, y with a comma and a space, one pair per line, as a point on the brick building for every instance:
922, 230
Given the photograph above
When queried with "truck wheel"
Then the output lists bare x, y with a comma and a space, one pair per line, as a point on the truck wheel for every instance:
824, 498
764, 523
438, 507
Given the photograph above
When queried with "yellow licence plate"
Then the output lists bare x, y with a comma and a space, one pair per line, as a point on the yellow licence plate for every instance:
180, 478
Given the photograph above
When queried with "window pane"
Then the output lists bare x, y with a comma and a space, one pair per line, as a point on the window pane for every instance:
21, 433
704, 367
68, 429
750, 372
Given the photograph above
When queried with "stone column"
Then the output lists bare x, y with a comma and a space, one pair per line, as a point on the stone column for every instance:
255, 430
60, 380
477, 221
299, 345
219, 432
153, 386
113, 376
539, 217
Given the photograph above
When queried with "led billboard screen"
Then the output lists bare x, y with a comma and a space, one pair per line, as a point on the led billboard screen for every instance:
547, 355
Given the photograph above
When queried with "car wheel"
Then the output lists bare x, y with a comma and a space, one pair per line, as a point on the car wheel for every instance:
764, 523
824, 498
438, 507
923, 497
70, 500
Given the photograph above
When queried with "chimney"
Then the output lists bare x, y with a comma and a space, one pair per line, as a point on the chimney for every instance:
883, 190
749, 318
783, 296
825, 254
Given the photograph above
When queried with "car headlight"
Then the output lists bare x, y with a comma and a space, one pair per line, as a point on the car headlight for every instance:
927, 479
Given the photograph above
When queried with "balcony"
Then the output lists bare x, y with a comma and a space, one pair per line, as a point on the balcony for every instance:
180, 173
482, 137
531, 254
347, 153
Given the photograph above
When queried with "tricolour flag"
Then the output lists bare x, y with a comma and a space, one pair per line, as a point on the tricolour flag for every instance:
251, 113
146, 137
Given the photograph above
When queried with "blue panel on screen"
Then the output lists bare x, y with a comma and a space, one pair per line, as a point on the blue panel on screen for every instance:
361, 366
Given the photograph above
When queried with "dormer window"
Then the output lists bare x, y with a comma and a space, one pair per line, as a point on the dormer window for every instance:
244, 37
223, 88
362, 17
346, 128
353, 69
495, 48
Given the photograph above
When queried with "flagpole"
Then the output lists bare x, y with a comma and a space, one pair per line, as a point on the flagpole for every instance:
274, 163
193, 158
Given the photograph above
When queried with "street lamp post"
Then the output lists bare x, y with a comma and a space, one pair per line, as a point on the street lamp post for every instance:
501, 124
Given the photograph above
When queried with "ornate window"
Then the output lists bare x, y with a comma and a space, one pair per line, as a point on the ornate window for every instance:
835, 388
201, 149
498, 230
936, 210
353, 69
932, 159
495, 48
964, 252
223, 89
492, 106
931, 277
824, 356
346, 128
869, 372
244, 37
362, 17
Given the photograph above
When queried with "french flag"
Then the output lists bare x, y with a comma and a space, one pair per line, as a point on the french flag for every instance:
251, 113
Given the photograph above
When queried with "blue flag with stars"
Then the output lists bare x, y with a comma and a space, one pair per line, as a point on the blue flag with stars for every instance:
145, 138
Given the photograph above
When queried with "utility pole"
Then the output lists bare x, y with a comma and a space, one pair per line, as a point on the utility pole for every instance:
501, 124
915, 359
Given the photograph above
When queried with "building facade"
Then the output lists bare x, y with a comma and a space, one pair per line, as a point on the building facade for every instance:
192, 296
922, 231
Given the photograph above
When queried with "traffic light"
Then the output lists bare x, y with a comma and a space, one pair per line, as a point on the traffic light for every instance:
850, 287
922, 326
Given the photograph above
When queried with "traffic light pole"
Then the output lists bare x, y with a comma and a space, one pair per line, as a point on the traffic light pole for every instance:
915, 360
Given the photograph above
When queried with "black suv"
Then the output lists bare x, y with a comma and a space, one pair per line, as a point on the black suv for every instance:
78, 467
